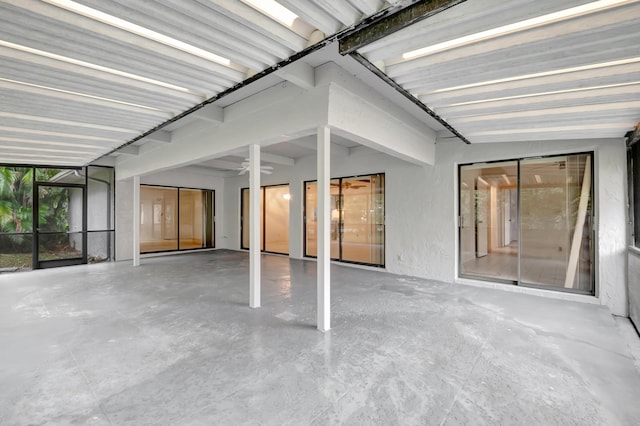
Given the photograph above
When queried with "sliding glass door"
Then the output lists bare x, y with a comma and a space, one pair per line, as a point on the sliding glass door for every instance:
274, 218
60, 236
357, 219
488, 220
528, 221
176, 219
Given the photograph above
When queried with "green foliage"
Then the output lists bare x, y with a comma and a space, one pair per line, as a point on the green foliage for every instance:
16, 204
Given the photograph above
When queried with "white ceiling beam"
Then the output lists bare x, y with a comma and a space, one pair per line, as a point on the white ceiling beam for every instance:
360, 150
129, 150
277, 159
299, 73
220, 164
336, 150
210, 113
158, 136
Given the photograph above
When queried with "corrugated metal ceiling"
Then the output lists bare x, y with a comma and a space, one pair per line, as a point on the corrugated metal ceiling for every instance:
523, 70
80, 78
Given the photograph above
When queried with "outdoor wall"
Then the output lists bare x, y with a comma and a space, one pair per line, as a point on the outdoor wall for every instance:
186, 177
634, 286
421, 231
610, 208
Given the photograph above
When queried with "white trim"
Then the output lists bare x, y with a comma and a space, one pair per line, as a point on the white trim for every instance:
549, 294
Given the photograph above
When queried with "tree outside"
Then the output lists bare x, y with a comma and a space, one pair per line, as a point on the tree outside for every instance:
16, 217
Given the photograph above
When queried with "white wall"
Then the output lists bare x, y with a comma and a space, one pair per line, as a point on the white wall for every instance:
421, 206
186, 177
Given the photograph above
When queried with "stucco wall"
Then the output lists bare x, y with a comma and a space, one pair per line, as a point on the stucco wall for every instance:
421, 230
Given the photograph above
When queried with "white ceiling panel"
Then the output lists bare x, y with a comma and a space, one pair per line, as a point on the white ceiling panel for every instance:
522, 70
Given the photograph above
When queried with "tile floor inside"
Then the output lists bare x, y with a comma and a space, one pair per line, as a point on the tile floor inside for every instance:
174, 342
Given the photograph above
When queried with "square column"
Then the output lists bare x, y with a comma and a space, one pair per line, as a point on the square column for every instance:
324, 229
136, 220
254, 226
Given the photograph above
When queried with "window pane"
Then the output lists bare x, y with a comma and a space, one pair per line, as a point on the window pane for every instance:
362, 215
276, 220
556, 224
246, 206
311, 222
311, 219
192, 219
244, 243
158, 221
488, 220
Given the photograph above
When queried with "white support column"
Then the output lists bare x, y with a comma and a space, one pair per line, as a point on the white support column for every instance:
324, 230
254, 226
136, 220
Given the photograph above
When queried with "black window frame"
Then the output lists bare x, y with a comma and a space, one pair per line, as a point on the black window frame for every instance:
381, 265
213, 219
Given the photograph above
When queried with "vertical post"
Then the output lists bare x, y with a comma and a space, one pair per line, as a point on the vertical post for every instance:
324, 230
254, 226
136, 221
576, 240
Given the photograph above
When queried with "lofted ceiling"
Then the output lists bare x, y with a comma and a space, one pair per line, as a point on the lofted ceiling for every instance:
80, 79
522, 70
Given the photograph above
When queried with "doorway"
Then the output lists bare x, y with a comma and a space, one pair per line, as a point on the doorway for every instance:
357, 219
529, 222
274, 219
60, 237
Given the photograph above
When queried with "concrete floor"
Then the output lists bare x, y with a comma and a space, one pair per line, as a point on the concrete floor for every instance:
173, 342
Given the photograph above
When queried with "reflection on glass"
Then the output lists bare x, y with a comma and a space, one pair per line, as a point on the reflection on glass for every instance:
311, 222
60, 220
192, 219
158, 221
488, 220
246, 220
357, 219
274, 218
556, 211
362, 220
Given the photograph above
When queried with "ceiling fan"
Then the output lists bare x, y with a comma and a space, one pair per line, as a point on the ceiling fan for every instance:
244, 168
